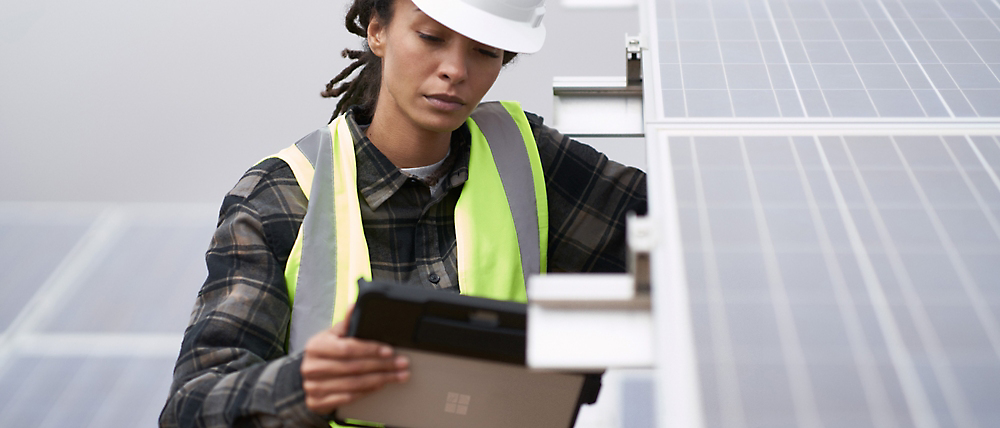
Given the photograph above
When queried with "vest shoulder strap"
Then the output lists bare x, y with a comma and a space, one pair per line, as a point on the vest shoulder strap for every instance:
512, 146
301, 157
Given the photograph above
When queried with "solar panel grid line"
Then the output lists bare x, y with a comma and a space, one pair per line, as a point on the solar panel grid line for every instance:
74, 404
910, 50
730, 64
681, 74
15, 382
825, 127
137, 395
957, 125
872, 385
918, 403
986, 166
909, 85
788, 63
936, 56
954, 398
851, 60
715, 30
45, 380
30, 212
812, 64
99, 344
986, 317
966, 38
991, 218
803, 399
854, 64
953, 53
116, 394
996, 143
732, 409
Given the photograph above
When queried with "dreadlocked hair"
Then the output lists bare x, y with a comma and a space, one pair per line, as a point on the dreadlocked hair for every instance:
363, 89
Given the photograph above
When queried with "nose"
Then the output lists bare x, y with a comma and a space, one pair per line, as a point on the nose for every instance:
453, 67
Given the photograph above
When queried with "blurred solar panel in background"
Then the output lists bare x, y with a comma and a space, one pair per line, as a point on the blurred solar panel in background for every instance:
95, 300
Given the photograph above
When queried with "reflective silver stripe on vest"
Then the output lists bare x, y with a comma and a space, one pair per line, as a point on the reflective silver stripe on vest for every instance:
316, 286
310, 144
511, 158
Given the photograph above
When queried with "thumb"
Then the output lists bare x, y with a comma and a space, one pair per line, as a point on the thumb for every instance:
340, 328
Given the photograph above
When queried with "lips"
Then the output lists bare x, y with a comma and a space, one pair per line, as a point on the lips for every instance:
445, 102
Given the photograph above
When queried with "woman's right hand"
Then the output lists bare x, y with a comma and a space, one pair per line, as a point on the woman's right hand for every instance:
336, 370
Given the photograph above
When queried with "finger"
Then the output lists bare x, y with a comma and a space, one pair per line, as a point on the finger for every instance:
323, 368
326, 404
351, 384
327, 345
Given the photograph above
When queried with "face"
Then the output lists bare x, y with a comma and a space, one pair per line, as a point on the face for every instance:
432, 77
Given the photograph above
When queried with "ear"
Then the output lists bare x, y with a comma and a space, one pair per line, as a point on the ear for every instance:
377, 34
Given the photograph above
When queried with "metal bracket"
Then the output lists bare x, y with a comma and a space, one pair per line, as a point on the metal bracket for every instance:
633, 62
602, 106
640, 234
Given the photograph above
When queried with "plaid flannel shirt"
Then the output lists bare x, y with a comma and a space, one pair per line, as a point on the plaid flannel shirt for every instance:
233, 370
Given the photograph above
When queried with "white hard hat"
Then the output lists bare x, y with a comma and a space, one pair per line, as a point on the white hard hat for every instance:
511, 25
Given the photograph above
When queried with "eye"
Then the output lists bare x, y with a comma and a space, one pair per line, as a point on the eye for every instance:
429, 37
489, 52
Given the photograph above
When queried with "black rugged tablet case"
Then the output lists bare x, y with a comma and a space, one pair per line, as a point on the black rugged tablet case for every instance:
449, 323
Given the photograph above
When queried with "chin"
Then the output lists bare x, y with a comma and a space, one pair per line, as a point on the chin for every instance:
444, 122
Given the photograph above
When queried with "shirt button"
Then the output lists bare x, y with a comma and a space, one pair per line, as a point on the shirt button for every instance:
434, 278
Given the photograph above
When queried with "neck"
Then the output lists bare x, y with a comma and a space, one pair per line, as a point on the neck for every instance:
404, 143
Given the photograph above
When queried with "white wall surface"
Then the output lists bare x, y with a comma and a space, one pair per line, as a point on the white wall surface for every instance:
170, 101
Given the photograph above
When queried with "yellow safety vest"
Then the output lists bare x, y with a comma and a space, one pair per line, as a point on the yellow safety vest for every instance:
501, 218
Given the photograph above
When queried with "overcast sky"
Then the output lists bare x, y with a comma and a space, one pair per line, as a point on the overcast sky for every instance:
114, 100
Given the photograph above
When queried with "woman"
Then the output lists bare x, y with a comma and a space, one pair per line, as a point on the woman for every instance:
417, 161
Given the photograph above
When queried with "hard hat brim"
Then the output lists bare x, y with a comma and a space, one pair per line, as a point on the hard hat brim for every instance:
484, 27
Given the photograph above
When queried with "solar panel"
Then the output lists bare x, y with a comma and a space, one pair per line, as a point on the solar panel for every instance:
98, 294
84, 391
30, 265
828, 176
836, 58
842, 280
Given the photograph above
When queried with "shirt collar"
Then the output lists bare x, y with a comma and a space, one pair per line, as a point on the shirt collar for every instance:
379, 179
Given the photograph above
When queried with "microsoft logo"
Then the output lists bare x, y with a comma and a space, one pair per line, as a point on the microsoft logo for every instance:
457, 403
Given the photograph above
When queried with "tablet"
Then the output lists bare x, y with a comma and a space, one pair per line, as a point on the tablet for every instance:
466, 364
